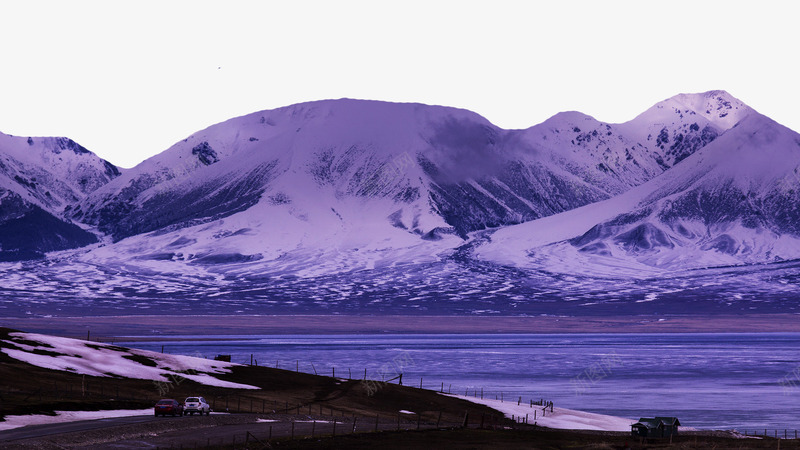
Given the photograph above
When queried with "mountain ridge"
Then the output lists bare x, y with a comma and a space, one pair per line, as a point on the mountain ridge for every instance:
733, 202
458, 152
349, 205
40, 179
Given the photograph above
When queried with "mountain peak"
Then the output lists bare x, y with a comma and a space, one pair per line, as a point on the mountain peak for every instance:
720, 107
356, 111
569, 118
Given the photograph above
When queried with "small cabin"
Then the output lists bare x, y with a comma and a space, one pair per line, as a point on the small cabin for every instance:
656, 427
226, 358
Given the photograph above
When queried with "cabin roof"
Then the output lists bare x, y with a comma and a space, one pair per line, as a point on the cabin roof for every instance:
656, 422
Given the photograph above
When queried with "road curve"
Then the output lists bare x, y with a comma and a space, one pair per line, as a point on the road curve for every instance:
35, 431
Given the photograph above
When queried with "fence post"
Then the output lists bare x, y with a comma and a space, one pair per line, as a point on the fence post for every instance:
376, 422
355, 419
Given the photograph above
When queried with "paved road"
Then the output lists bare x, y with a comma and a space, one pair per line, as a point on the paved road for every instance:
151, 432
34, 431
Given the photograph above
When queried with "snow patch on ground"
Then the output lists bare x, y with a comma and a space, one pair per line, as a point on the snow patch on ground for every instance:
562, 418
12, 422
103, 360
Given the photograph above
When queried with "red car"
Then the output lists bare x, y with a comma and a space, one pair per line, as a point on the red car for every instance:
168, 406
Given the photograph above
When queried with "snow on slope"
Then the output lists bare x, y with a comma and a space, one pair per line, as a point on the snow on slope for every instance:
735, 201
11, 422
341, 185
561, 418
318, 151
679, 126
103, 360
40, 178
334, 186
51, 172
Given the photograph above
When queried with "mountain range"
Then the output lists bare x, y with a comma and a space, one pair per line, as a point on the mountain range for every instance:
350, 205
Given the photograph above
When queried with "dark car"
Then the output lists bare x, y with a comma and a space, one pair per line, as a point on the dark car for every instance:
168, 406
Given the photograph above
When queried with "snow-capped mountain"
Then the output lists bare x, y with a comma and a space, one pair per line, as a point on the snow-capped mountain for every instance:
40, 179
348, 205
355, 175
733, 202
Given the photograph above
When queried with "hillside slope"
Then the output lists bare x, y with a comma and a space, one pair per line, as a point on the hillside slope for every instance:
40, 180
733, 202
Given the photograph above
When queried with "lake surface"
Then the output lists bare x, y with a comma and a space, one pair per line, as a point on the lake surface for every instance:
720, 381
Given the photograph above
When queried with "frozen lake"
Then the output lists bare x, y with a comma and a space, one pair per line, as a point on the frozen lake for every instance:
721, 381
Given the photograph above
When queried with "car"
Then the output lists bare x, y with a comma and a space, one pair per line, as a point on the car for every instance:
168, 406
196, 405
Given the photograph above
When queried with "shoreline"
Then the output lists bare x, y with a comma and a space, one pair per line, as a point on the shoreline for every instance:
165, 326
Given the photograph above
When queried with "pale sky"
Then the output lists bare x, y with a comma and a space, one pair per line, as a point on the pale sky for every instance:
129, 79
